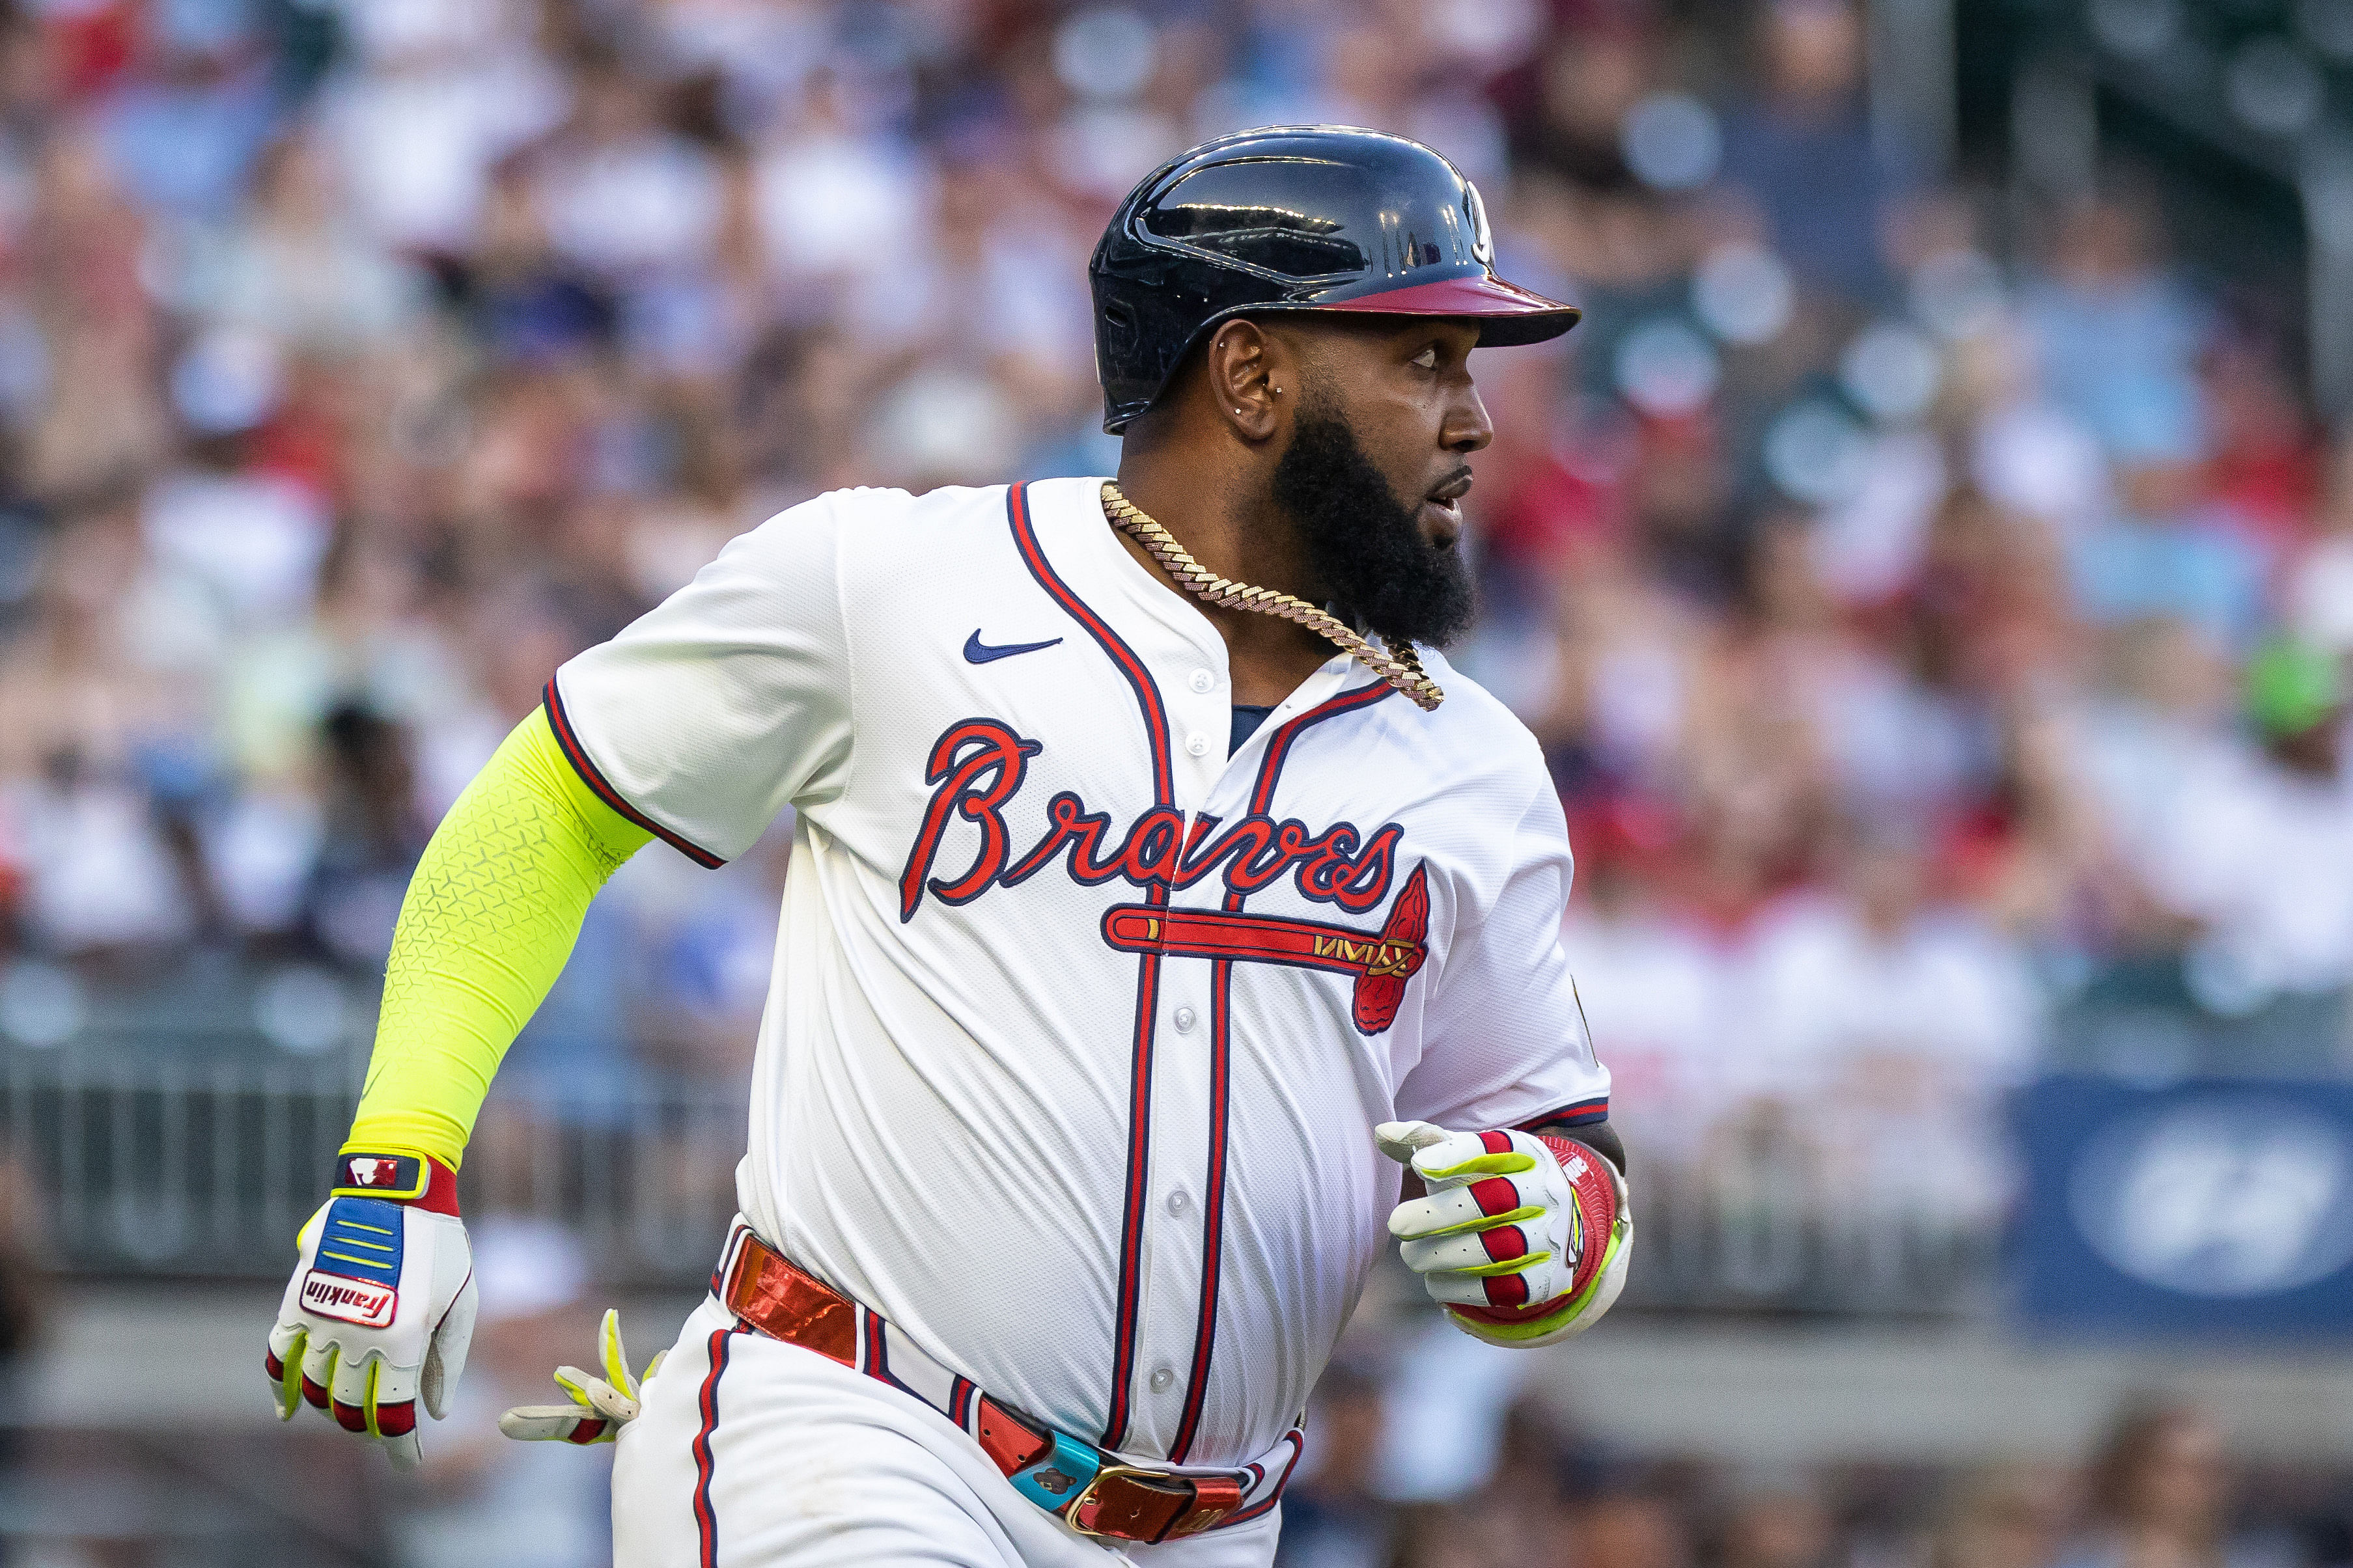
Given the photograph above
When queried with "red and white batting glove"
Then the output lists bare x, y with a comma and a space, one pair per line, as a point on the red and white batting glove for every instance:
1523, 1237
600, 1406
380, 1307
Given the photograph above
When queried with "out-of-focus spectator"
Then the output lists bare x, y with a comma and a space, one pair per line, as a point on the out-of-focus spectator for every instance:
1803, 152
1608, 693
1332, 1516
1521, 1515
831, 191
2001, 1516
1447, 1400
371, 837
298, 268
84, 712
1653, 984
2115, 337
1640, 1525
183, 132
438, 92
1437, 1535
102, 421
2161, 716
2258, 849
1775, 1520
2160, 1497
2264, 470
2167, 553
1893, 1023
2320, 585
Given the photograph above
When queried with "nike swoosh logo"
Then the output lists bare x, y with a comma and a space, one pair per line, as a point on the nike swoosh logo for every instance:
979, 652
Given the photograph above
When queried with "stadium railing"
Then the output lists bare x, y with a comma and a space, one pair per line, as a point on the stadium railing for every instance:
173, 1163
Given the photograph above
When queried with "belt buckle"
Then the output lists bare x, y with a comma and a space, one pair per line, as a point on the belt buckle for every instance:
1154, 1481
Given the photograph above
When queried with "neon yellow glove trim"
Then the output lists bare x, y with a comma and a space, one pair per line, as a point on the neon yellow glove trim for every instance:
1508, 1266
490, 918
1478, 1223
367, 1406
290, 1383
1510, 1162
1536, 1328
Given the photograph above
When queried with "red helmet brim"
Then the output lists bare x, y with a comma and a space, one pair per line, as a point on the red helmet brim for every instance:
1507, 313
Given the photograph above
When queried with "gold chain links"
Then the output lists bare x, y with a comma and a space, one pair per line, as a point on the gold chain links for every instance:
1401, 668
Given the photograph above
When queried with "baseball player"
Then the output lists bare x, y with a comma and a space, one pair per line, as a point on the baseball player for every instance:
1156, 885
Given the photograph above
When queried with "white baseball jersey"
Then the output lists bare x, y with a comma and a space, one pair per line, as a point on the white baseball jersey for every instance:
1080, 1027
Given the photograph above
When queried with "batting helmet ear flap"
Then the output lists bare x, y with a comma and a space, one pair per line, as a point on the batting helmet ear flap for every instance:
1296, 218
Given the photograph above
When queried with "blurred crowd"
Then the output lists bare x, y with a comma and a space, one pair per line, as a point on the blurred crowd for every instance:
2159, 1490
1425, 1450
1933, 608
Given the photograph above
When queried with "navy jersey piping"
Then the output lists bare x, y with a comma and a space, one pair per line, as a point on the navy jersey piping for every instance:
568, 740
1148, 977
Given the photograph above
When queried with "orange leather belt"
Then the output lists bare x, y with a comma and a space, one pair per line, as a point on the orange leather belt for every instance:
1069, 1478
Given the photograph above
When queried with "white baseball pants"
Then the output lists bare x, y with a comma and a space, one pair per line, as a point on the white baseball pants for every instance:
756, 1454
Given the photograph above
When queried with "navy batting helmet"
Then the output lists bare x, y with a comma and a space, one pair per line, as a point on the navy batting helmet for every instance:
1293, 217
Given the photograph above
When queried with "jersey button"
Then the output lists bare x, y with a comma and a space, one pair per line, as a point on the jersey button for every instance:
1163, 1378
1183, 1020
1203, 680
1178, 1203
1198, 743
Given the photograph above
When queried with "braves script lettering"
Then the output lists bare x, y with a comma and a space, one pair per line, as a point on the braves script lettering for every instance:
978, 765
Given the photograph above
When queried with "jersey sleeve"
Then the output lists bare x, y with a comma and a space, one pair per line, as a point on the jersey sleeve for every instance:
1505, 1043
728, 701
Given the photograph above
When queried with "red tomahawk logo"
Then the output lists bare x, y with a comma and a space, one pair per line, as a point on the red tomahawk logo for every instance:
1381, 962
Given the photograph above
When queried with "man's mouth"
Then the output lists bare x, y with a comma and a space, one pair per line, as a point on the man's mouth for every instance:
1446, 497
1456, 486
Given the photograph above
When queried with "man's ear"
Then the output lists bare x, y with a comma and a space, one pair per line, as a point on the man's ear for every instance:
1246, 378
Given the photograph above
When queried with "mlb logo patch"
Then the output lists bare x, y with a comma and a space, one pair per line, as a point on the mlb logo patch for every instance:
381, 1175
361, 1301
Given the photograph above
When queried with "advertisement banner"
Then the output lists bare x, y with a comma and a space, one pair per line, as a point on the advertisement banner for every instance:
2208, 1206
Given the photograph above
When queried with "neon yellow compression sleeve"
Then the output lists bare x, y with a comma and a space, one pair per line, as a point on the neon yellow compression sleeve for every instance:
490, 917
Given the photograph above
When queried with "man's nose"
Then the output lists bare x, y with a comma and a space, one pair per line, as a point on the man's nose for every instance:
1467, 428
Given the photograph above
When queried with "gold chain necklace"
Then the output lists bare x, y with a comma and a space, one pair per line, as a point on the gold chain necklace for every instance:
1400, 667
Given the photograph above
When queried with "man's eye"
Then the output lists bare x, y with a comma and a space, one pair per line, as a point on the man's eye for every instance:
1427, 359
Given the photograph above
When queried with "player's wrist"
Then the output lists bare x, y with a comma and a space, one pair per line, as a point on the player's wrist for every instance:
396, 1174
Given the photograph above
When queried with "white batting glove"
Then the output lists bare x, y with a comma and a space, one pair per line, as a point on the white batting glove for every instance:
1523, 1239
600, 1406
380, 1307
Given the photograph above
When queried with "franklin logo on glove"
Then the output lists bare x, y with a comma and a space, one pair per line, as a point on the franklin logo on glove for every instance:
353, 1300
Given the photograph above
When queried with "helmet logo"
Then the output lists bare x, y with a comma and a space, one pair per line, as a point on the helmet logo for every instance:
1482, 240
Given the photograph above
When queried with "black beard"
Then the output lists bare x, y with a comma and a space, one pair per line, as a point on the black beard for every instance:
1363, 546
